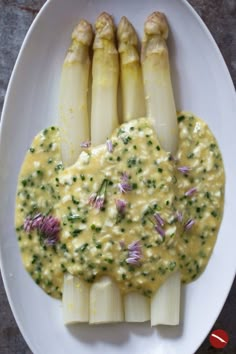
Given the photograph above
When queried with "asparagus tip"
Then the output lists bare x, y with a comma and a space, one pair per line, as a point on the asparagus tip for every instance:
105, 27
156, 24
126, 33
83, 32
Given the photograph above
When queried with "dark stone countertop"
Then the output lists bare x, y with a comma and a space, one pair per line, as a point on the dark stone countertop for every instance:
15, 19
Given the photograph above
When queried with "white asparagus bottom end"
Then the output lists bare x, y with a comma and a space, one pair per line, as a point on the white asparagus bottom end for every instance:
137, 307
105, 302
165, 304
75, 300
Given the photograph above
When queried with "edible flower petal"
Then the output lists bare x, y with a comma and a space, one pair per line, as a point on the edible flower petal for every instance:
48, 226
32, 223
179, 216
92, 199
134, 253
134, 246
120, 206
189, 224
190, 192
124, 185
99, 203
97, 200
159, 219
160, 230
85, 144
184, 169
109, 146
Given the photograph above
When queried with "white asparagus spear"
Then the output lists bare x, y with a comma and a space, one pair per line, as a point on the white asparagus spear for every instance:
160, 104
105, 297
105, 75
133, 103
74, 126
105, 302
137, 306
75, 300
161, 109
73, 110
166, 302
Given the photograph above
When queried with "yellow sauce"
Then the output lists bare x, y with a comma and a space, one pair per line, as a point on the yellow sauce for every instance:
173, 210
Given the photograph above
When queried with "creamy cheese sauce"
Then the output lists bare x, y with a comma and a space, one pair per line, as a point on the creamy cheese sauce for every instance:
171, 205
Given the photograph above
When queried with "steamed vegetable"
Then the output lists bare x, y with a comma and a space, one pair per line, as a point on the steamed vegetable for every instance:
160, 105
165, 303
130, 72
137, 306
74, 121
74, 128
105, 298
75, 300
105, 302
105, 75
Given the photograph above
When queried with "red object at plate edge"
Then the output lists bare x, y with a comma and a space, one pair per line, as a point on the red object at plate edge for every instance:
219, 338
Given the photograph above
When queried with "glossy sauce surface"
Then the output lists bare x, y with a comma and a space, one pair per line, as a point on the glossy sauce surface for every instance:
171, 207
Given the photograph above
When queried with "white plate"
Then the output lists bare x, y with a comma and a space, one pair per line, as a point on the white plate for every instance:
202, 84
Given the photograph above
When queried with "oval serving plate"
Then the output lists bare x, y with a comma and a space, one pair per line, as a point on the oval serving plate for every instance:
201, 84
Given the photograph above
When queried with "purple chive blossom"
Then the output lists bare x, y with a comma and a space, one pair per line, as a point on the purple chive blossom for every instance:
159, 219
109, 146
32, 223
190, 192
92, 199
179, 216
36, 221
189, 224
158, 224
120, 206
184, 169
124, 185
100, 201
97, 200
85, 144
48, 226
28, 224
134, 253
160, 230
134, 246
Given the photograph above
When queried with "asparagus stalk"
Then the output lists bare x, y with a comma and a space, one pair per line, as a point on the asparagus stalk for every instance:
74, 126
137, 306
133, 104
105, 74
73, 110
75, 300
105, 298
165, 302
160, 105
105, 302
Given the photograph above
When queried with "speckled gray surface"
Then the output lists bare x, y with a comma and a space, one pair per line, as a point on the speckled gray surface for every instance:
15, 19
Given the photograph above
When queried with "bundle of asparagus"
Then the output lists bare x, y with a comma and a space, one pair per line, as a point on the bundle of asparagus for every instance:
102, 302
